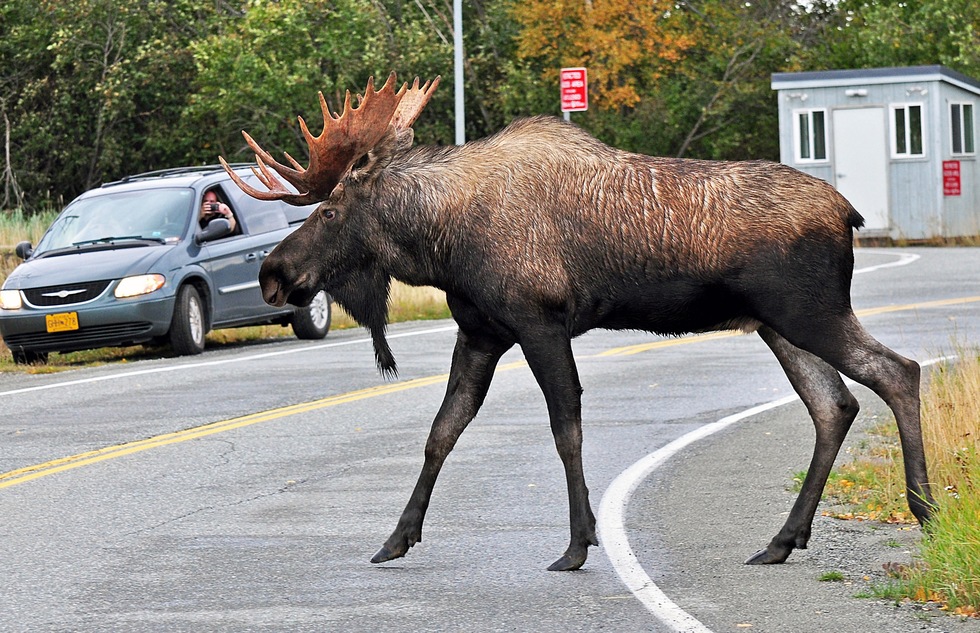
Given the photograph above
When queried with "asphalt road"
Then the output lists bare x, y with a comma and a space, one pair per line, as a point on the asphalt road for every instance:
246, 489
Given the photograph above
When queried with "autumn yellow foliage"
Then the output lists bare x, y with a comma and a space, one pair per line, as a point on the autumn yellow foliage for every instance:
623, 44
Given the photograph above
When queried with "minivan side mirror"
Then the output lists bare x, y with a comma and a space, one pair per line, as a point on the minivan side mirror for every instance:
24, 249
216, 228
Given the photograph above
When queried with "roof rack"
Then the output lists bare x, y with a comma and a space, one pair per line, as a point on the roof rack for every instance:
174, 171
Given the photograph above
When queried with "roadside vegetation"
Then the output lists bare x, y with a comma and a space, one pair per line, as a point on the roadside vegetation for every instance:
946, 566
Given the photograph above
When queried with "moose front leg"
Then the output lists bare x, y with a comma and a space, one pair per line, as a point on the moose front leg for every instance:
474, 361
549, 353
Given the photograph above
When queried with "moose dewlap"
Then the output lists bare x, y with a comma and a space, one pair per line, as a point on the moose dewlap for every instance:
540, 233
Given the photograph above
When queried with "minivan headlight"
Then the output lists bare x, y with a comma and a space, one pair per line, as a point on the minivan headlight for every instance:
10, 300
139, 285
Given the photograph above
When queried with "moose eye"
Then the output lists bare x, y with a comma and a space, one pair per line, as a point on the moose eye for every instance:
328, 214
362, 161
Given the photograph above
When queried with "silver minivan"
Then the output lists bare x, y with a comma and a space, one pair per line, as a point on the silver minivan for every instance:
129, 263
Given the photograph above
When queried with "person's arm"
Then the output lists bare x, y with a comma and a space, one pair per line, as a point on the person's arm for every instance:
225, 211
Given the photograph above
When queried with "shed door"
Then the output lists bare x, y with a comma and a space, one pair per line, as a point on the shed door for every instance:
861, 162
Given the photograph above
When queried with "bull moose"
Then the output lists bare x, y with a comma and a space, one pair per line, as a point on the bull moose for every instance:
540, 233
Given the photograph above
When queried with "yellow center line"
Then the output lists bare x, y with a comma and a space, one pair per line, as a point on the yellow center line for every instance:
710, 336
29, 473
22, 475
940, 303
629, 350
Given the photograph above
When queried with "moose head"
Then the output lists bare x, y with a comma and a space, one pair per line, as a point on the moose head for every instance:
345, 162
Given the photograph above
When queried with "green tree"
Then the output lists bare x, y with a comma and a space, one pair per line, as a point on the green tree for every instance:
883, 33
717, 101
92, 89
262, 70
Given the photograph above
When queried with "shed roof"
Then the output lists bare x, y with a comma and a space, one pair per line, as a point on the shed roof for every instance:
866, 76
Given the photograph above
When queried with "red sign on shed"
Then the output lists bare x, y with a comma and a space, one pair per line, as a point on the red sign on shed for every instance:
574, 90
951, 178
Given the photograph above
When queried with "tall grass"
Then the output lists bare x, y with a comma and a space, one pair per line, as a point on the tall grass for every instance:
872, 485
16, 226
950, 552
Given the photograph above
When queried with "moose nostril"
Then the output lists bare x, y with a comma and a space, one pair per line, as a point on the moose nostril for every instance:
271, 292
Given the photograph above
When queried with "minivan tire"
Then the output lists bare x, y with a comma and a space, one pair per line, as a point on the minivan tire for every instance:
313, 322
189, 326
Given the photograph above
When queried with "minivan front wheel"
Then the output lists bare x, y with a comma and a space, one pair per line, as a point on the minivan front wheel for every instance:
313, 321
187, 329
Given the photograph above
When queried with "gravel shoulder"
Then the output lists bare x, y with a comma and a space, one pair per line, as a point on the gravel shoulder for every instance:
697, 518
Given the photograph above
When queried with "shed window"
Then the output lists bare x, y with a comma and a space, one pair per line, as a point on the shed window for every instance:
961, 126
810, 132
907, 131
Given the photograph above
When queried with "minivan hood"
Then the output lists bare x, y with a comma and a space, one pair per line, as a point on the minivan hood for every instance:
87, 266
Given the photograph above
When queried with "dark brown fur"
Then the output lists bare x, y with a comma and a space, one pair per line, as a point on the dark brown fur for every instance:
540, 233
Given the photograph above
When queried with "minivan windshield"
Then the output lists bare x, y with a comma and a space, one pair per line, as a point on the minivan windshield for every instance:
152, 215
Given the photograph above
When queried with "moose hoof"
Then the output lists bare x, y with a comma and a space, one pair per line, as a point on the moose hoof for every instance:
569, 562
385, 554
768, 556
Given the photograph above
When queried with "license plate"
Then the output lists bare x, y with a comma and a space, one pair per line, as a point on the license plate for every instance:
61, 322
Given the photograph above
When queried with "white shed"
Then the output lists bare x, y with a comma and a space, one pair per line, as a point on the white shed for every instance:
899, 143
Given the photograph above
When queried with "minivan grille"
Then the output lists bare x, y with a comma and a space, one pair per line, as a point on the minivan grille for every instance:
65, 294
94, 336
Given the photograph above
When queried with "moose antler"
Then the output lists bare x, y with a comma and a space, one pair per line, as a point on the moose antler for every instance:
344, 139
412, 103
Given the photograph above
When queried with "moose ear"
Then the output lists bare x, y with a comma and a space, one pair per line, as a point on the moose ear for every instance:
372, 161
394, 141
404, 138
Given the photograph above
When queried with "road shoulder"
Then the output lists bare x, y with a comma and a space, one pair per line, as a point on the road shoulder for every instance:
697, 518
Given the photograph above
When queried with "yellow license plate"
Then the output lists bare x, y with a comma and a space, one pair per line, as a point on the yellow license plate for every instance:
61, 322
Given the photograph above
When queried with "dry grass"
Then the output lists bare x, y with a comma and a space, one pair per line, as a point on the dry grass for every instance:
16, 227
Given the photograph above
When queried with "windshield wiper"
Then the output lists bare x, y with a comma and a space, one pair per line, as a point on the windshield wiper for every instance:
120, 238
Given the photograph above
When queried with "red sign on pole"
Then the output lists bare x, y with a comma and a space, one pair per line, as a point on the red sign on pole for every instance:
951, 178
574, 90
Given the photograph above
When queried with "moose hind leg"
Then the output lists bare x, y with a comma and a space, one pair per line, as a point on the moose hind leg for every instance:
474, 361
833, 409
895, 379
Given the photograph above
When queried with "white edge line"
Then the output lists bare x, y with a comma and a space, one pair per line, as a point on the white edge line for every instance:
903, 259
612, 509
213, 363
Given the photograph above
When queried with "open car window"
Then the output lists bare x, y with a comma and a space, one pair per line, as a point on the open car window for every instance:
258, 216
255, 216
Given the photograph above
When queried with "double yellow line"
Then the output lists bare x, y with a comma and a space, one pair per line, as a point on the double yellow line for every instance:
30, 473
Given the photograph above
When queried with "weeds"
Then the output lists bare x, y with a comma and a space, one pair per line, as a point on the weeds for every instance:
946, 567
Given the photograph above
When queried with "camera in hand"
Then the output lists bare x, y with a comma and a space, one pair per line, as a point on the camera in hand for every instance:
214, 206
